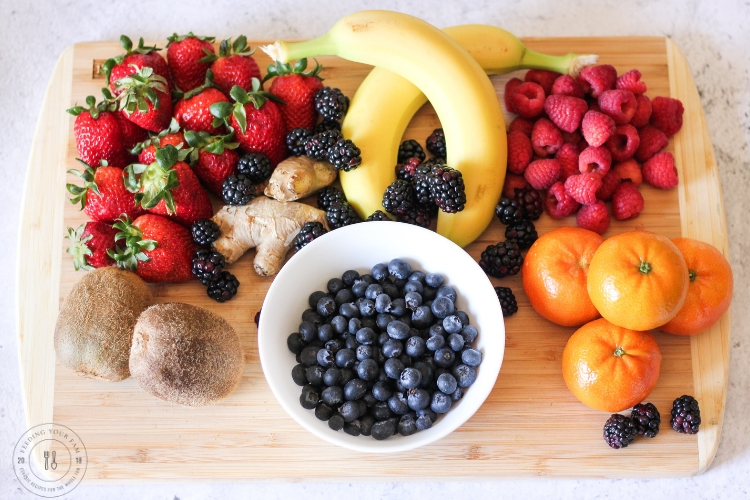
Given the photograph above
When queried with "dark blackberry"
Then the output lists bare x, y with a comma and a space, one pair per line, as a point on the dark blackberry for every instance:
416, 216
509, 211
376, 216
309, 231
501, 260
237, 189
326, 125
328, 196
531, 202
207, 265
647, 419
447, 188
619, 431
398, 198
410, 149
436, 143
405, 170
686, 416
318, 145
224, 288
296, 140
341, 214
256, 166
435, 160
523, 232
205, 231
331, 103
421, 183
507, 300
344, 155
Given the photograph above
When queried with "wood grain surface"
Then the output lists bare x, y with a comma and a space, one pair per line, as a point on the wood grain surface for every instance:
530, 425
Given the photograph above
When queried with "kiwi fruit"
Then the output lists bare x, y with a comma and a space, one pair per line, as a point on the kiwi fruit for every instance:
185, 354
94, 330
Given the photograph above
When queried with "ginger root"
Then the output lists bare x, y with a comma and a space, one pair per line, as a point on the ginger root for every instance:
299, 176
267, 225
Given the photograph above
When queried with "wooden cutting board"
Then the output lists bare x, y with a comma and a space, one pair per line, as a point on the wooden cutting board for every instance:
529, 426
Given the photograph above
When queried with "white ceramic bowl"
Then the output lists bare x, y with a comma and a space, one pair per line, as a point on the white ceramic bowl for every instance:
359, 247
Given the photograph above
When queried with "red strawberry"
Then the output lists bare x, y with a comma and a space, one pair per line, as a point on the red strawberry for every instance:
193, 112
217, 158
171, 135
132, 60
90, 243
103, 196
98, 134
132, 135
145, 98
184, 56
565, 111
234, 65
297, 89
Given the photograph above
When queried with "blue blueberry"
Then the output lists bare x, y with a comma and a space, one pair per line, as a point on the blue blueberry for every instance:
334, 345
469, 333
383, 303
351, 342
452, 323
434, 280
463, 317
325, 333
422, 317
364, 352
429, 413
354, 325
399, 268
345, 358
382, 390
323, 412
415, 347
332, 376
391, 290
349, 411
353, 428
315, 297
325, 358
455, 342
418, 399
295, 343
359, 288
344, 295
334, 285
354, 389
373, 291
368, 369
407, 425
309, 355
398, 403
465, 375
366, 336
447, 291
413, 286
423, 423
379, 272
417, 276
381, 411
326, 306
471, 357
447, 383
308, 331
457, 394
299, 374
312, 316
393, 367
429, 293
383, 338
444, 357
368, 400
314, 375
366, 422
347, 374
382, 430
426, 371
440, 403
336, 422
382, 320
442, 307
398, 307
412, 300
339, 324
398, 330
437, 329
393, 348
435, 342
350, 277
367, 308
410, 378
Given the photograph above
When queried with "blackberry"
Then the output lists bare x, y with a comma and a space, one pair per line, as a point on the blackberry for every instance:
309, 232
507, 300
686, 416
341, 214
208, 265
344, 155
328, 196
509, 211
296, 140
447, 188
331, 103
421, 183
224, 288
416, 216
205, 231
501, 260
398, 198
435, 160
410, 149
255, 166
326, 125
377, 215
647, 419
619, 431
405, 170
318, 145
523, 232
436, 143
237, 189
531, 202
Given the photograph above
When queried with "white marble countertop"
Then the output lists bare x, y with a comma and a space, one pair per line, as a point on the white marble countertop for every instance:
713, 35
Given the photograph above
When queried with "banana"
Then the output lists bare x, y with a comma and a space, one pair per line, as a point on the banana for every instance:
465, 101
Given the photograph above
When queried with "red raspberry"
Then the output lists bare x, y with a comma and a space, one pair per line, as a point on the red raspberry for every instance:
546, 139
513, 182
631, 81
652, 141
572, 137
543, 77
566, 85
594, 217
660, 171
528, 99
623, 143
541, 174
609, 182
627, 201
642, 111
519, 152
521, 125
594, 160
566, 112
629, 170
597, 127
619, 104
567, 155
510, 89
597, 79
666, 115
583, 187
558, 203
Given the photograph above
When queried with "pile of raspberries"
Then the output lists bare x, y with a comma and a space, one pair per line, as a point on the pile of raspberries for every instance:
589, 140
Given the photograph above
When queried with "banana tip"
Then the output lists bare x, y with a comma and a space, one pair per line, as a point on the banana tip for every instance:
273, 50
579, 62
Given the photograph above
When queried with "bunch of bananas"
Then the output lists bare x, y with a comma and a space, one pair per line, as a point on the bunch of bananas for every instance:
415, 62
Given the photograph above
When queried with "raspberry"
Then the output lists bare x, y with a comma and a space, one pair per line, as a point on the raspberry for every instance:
597, 127
619, 104
597, 79
652, 141
566, 112
513, 182
543, 77
631, 81
627, 201
629, 170
642, 111
566, 85
558, 203
594, 217
541, 174
528, 99
510, 89
567, 155
660, 171
546, 139
519, 152
521, 125
623, 143
666, 115
594, 161
610, 181
583, 187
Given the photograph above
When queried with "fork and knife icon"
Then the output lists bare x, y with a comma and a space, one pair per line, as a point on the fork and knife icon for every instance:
47, 464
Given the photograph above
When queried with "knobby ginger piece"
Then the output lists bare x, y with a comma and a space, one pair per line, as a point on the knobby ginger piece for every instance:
299, 176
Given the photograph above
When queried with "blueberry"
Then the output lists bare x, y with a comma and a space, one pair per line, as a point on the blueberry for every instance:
440, 403
465, 375
349, 310
366, 336
366, 423
353, 428
383, 430
336, 422
349, 411
299, 374
398, 307
334, 285
407, 425
323, 411
359, 288
393, 348
344, 295
393, 367
382, 390
367, 278
309, 355
435, 342
447, 291
368, 369
442, 307
381, 411
398, 330
444, 357
418, 399
314, 375
452, 323
434, 280
415, 347
347, 374
369, 322
399, 268
455, 342
426, 371
345, 358
373, 291
469, 333
383, 338
368, 400
463, 317
412, 300
313, 317
422, 317
295, 343
332, 376
309, 399
418, 276
429, 413
391, 290
325, 333
364, 352
379, 272
437, 329
429, 293
325, 358
351, 342
308, 331
398, 403
383, 303
339, 324
354, 325
350, 277
315, 297
423, 423
367, 308
354, 389
382, 320
410, 378
457, 394
326, 306
471, 357
447, 383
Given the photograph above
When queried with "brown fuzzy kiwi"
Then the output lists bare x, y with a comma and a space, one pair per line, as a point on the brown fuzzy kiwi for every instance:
185, 354
95, 327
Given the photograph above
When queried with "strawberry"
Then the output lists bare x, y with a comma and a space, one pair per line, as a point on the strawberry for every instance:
297, 89
156, 248
147, 149
145, 99
184, 56
103, 196
234, 65
133, 59
132, 135
217, 158
90, 244
98, 133
193, 110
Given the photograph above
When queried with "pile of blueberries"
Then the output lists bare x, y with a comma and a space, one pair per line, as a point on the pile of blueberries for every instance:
385, 352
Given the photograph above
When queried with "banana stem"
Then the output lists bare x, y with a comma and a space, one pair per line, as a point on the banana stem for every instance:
286, 52
569, 64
